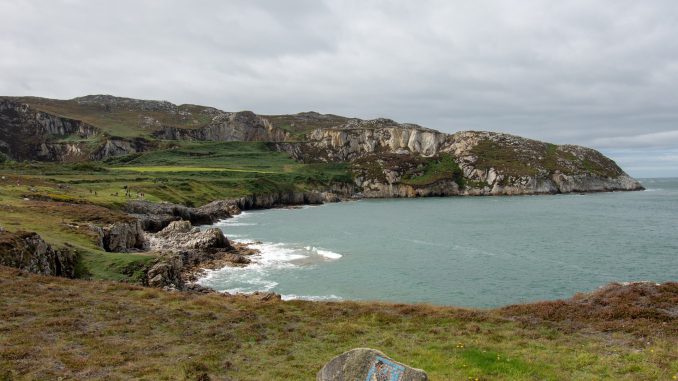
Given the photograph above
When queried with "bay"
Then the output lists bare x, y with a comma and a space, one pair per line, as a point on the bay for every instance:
463, 251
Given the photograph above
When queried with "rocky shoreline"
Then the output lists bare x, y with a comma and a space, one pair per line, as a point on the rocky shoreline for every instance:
187, 251
184, 251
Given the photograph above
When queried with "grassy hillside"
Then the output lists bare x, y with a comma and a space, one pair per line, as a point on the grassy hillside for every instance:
102, 330
58, 200
129, 118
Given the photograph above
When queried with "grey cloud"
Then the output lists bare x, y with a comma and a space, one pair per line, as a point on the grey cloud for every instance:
600, 73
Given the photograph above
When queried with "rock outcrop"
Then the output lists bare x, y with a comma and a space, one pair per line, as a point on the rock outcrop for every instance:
181, 236
383, 156
121, 236
156, 216
228, 127
186, 251
27, 134
112, 147
368, 364
358, 138
28, 251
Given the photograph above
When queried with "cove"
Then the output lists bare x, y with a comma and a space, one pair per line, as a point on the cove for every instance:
463, 251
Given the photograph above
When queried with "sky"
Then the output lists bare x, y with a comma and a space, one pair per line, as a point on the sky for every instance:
599, 73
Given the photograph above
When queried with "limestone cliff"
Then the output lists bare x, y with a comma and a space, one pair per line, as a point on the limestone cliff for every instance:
405, 160
386, 159
358, 138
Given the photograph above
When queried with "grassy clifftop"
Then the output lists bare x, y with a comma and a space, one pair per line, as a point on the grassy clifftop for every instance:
59, 200
103, 330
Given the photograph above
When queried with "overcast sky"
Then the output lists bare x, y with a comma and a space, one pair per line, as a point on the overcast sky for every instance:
597, 73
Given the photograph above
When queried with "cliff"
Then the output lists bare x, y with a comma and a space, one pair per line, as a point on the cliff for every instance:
384, 158
98, 127
228, 127
27, 134
405, 160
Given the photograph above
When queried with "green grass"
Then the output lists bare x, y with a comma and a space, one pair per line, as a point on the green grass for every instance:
51, 327
127, 267
63, 198
532, 158
121, 122
442, 167
184, 169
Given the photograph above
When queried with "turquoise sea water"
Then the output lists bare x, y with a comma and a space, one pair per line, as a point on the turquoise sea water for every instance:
464, 251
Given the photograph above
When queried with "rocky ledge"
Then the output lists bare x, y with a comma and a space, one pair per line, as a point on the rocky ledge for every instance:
186, 252
28, 251
388, 159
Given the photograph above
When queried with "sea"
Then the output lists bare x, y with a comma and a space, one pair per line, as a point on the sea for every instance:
480, 252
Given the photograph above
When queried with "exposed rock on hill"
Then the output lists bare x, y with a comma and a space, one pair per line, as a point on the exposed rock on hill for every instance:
121, 236
27, 134
392, 160
430, 162
180, 235
358, 138
28, 251
228, 127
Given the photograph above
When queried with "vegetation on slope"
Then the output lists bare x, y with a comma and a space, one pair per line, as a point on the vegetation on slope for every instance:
58, 200
519, 157
441, 167
300, 124
108, 330
122, 116
410, 170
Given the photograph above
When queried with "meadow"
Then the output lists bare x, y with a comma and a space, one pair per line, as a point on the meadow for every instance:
108, 330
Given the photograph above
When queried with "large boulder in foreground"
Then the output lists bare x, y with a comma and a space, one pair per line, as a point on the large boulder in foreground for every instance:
368, 365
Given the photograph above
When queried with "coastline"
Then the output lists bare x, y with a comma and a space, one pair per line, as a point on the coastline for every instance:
271, 273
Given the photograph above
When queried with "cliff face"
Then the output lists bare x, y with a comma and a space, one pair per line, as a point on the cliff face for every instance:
228, 127
404, 160
386, 159
35, 128
27, 134
358, 138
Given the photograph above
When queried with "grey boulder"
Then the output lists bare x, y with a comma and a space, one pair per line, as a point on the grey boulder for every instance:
364, 364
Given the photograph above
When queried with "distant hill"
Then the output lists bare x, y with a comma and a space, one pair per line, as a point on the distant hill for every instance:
387, 159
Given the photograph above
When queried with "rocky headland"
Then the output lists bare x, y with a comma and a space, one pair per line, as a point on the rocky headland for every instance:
377, 158
384, 158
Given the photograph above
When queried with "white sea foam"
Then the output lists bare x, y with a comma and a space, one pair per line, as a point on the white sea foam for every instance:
323, 253
229, 224
315, 298
276, 253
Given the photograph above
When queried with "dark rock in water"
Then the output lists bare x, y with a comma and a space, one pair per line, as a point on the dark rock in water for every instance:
364, 364
236, 258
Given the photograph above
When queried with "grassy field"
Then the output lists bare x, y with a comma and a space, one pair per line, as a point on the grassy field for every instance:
58, 200
104, 330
